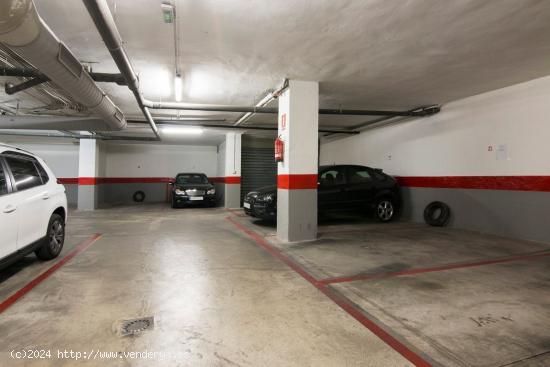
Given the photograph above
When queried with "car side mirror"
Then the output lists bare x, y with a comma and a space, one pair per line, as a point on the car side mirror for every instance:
171, 183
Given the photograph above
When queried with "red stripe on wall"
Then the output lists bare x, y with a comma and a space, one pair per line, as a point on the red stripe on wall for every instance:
290, 182
518, 183
123, 180
68, 180
297, 182
232, 180
88, 181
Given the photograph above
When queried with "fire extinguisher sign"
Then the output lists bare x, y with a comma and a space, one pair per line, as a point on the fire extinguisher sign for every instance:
283, 121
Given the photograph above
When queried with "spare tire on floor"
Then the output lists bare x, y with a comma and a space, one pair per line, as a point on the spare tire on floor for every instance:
437, 214
138, 196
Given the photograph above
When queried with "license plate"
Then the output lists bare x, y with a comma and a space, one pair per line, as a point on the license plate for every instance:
246, 205
195, 198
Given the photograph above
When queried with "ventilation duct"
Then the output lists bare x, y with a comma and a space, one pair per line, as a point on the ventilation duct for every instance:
22, 30
51, 123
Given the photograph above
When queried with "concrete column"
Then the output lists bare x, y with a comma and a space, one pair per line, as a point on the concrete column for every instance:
88, 172
297, 174
232, 176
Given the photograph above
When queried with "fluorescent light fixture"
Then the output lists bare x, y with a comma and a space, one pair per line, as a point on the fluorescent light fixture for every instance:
178, 88
182, 130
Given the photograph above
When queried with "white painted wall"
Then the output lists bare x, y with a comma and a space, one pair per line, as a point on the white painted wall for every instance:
232, 154
154, 160
455, 142
61, 155
298, 105
220, 169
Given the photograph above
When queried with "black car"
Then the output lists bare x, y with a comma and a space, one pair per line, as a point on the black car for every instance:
192, 189
340, 188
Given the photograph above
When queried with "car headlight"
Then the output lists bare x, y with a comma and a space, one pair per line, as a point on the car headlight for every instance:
266, 198
211, 192
179, 192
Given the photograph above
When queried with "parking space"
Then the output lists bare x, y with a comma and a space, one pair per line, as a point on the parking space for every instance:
288, 183
458, 297
216, 299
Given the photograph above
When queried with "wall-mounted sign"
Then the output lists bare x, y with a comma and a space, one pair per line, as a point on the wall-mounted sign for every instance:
283, 121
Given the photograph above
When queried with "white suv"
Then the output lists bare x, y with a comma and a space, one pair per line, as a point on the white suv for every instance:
33, 207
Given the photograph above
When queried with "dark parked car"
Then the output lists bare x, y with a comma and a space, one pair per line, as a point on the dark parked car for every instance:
340, 188
192, 189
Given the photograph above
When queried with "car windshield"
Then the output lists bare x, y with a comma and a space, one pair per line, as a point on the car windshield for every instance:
191, 178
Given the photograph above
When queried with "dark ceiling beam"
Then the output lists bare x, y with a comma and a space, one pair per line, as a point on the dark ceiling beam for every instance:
10, 88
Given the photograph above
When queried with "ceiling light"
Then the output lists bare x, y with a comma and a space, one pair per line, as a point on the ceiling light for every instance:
177, 88
182, 130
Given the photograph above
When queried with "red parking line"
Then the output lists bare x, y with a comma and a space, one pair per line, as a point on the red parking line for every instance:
39, 279
340, 300
353, 278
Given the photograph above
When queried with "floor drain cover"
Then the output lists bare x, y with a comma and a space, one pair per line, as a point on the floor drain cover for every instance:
134, 326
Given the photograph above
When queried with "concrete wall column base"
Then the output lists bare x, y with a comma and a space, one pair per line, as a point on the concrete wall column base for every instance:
232, 196
296, 215
87, 197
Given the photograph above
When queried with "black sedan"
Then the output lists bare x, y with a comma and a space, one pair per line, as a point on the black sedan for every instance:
192, 189
340, 188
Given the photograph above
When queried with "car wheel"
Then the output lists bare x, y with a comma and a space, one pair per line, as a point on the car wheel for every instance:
173, 204
385, 210
55, 238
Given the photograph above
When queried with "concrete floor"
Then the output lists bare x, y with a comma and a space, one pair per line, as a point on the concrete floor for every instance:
224, 292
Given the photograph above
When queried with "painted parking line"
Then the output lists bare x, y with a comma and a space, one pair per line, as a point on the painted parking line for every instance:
81, 247
502, 260
340, 300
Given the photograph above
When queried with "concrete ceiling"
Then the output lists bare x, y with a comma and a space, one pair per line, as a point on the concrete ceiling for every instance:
391, 54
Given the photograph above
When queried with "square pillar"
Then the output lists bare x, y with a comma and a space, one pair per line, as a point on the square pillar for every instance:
232, 169
88, 172
297, 173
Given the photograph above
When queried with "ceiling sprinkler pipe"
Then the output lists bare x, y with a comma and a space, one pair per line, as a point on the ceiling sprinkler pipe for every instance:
272, 95
106, 26
23, 31
422, 111
233, 127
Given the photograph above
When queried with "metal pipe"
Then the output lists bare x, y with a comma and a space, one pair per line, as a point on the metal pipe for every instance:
75, 136
203, 107
264, 101
26, 34
421, 111
106, 26
233, 127
272, 95
20, 72
48, 122
108, 78
33, 73
44, 135
10, 89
